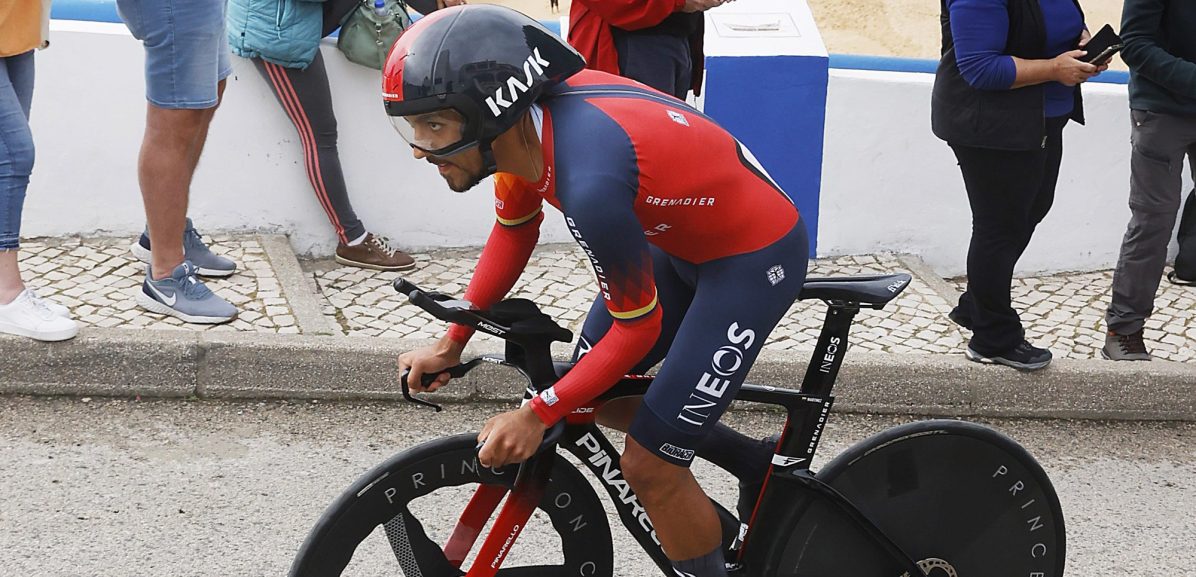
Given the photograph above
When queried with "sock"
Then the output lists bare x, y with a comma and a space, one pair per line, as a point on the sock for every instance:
742, 456
711, 564
360, 239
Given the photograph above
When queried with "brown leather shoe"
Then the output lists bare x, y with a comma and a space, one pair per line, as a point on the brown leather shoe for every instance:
375, 252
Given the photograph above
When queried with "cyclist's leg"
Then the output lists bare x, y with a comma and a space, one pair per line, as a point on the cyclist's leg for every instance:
725, 447
674, 294
738, 301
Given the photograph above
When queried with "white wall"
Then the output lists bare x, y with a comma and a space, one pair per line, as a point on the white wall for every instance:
888, 183
88, 118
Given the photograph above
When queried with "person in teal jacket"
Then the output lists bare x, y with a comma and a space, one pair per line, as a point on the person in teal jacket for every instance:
282, 38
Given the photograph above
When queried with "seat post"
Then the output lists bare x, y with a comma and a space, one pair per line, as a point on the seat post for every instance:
832, 346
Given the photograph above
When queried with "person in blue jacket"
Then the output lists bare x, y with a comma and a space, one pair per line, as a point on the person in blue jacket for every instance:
282, 38
1006, 85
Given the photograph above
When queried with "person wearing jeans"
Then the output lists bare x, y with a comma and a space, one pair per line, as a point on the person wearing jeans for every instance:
1160, 49
186, 62
23, 27
1006, 86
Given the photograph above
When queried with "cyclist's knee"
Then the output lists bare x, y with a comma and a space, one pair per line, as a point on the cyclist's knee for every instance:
649, 475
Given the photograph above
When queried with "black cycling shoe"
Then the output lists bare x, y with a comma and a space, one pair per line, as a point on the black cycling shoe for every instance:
1024, 357
749, 492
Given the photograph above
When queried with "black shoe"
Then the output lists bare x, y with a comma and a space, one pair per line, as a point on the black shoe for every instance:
959, 319
1175, 280
749, 493
1125, 347
1024, 356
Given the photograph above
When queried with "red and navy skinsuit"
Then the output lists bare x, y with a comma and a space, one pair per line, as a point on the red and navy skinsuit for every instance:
696, 252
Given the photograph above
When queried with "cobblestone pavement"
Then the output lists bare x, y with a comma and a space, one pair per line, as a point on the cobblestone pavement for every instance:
1066, 313
97, 279
559, 280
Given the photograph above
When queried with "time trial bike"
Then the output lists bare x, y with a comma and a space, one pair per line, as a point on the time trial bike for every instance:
937, 498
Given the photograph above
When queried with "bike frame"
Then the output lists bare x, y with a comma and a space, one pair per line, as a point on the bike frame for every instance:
806, 414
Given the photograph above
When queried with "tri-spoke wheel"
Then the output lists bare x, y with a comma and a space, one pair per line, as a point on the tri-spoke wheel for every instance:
426, 511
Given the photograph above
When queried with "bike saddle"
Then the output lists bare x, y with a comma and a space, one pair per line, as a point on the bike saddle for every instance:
874, 290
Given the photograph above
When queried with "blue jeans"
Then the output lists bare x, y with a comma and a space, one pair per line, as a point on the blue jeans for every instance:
186, 50
16, 144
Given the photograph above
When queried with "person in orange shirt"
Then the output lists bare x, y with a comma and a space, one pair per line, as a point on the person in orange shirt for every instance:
23, 27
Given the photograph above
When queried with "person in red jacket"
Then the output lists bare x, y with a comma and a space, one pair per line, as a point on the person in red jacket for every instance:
657, 42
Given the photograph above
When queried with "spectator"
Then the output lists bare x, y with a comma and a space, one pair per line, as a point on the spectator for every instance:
285, 50
23, 27
1007, 84
1160, 49
657, 42
186, 62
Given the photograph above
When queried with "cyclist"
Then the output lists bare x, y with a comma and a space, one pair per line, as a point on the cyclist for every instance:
696, 251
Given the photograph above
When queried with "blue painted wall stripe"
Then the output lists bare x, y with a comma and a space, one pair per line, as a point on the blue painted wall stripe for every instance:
787, 137
892, 64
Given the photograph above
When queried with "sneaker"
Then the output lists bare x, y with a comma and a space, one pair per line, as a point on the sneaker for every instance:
1124, 347
207, 263
28, 316
1175, 280
375, 252
749, 493
1025, 357
54, 307
181, 295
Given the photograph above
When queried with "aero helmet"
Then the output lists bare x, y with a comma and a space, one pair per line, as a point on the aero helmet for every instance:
461, 76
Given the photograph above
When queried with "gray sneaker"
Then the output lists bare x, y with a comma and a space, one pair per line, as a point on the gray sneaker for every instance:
182, 295
207, 263
1124, 347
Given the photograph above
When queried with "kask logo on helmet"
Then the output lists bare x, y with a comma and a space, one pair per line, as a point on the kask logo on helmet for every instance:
516, 88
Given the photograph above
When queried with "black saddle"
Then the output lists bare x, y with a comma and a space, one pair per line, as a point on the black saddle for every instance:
874, 290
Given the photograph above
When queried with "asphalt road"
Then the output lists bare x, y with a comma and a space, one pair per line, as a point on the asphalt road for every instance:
199, 488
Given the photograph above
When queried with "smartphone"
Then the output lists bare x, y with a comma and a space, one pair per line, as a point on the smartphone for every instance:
1102, 46
1105, 56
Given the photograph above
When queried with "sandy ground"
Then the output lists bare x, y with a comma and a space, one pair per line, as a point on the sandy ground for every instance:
908, 28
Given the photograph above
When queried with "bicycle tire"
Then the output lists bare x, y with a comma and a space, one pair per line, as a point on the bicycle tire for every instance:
383, 497
960, 499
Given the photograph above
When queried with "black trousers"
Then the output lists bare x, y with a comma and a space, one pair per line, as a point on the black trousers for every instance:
307, 99
661, 61
1010, 192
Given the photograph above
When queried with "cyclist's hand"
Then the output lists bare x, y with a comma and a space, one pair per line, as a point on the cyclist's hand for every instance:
429, 360
511, 437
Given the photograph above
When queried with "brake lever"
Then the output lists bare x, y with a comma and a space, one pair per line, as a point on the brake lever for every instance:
426, 379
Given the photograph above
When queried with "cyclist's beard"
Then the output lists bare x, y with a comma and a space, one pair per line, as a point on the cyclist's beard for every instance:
460, 179
472, 181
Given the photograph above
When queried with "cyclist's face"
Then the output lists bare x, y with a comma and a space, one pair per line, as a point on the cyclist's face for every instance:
432, 131
440, 129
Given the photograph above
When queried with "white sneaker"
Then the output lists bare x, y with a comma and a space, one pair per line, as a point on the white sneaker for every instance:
54, 307
29, 316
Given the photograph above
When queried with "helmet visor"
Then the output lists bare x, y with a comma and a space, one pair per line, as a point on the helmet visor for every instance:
438, 132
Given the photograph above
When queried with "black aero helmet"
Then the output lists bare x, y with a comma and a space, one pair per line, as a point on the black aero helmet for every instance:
464, 75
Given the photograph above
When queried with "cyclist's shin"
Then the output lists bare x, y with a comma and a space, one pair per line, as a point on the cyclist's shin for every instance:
742, 456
